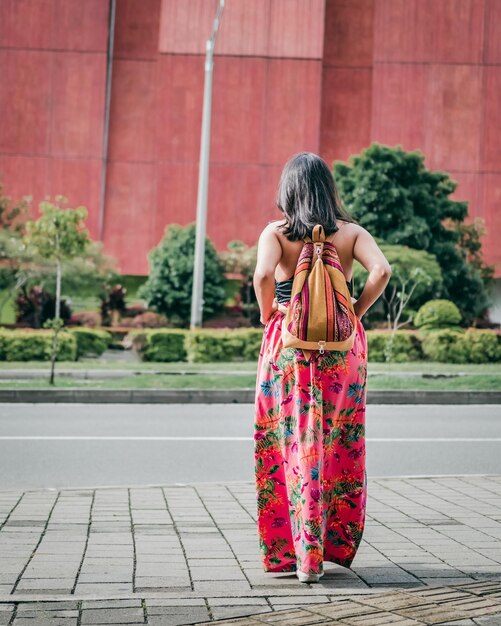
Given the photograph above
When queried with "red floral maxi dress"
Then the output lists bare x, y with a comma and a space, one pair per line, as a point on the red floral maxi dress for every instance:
309, 449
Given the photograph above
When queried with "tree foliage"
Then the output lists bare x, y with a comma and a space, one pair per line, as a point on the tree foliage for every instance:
241, 259
22, 267
13, 215
416, 277
437, 314
13, 252
395, 197
168, 289
59, 233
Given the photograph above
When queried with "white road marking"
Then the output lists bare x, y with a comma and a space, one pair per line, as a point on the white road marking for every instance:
203, 438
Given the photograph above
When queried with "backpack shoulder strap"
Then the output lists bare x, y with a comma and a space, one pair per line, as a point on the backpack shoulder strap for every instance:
318, 235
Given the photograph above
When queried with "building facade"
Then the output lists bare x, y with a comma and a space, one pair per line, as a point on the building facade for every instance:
108, 112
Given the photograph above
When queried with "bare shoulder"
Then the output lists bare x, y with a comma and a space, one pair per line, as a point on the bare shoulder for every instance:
352, 229
272, 229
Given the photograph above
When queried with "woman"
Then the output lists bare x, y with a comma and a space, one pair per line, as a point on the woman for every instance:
311, 481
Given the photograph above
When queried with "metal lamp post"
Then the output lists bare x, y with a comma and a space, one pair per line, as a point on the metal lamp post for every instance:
203, 179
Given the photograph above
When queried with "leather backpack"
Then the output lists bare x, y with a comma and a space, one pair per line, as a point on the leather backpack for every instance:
320, 315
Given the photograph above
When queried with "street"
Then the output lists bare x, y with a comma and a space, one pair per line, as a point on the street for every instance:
78, 445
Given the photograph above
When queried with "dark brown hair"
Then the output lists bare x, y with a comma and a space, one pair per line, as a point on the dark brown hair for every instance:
307, 195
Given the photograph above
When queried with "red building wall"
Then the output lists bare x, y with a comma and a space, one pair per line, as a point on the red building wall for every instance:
328, 76
53, 68
426, 75
266, 105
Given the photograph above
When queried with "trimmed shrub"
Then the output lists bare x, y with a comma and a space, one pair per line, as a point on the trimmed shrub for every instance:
90, 341
403, 346
3, 342
482, 345
470, 346
445, 346
376, 342
437, 314
36, 345
162, 346
206, 346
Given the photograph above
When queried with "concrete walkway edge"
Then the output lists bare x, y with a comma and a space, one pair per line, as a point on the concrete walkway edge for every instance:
229, 396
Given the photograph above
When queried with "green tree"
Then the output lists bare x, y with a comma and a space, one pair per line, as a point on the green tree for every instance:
58, 234
241, 259
12, 249
168, 289
416, 277
391, 193
12, 216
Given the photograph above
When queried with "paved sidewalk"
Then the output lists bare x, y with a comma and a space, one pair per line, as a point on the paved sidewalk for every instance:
185, 554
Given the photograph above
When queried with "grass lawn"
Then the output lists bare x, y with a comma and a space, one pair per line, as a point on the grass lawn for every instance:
403, 369
433, 376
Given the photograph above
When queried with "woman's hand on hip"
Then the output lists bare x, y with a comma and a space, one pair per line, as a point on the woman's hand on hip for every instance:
274, 307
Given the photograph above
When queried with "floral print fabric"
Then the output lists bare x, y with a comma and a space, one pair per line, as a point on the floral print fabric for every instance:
309, 450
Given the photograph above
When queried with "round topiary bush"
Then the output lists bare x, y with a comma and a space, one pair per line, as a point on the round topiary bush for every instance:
445, 346
437, 314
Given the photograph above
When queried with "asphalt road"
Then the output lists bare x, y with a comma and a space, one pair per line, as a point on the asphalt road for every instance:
79, 445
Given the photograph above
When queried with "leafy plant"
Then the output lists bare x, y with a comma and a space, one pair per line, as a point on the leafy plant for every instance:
406, 346
112, 303
437, 314
56, 235
168, 289
35, 306
12, 216
205, 346
416, 277
395, 197
240, 259
91, 341
445, 346
483, 346
36, 345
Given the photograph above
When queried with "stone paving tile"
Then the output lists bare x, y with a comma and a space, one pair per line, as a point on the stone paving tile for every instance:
178, 616
112, 616
487, 621
190, 552
222, 612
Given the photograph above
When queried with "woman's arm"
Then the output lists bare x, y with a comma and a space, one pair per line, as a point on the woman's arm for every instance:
369, 254
269, 253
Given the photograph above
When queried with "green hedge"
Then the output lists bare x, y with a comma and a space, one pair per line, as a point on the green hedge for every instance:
404, 346
484, 346
470, 346
91, 341
205, 346
36, 345
163, 346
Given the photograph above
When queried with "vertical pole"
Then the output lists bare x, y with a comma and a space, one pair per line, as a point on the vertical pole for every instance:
203, 185
203, 181
106, 130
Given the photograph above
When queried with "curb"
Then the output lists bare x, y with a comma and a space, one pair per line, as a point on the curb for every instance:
228, 396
